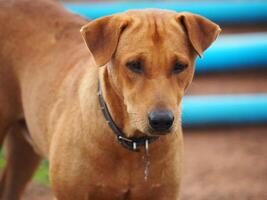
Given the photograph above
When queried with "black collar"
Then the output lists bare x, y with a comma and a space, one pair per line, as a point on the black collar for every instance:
132, 143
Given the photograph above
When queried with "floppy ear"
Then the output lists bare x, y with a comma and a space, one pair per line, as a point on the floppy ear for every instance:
201, 31
102, 36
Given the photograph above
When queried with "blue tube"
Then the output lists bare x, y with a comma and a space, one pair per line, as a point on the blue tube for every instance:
229, 12
224, 110
229, 52
235, 52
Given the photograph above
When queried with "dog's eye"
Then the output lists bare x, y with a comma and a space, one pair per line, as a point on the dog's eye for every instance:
135, 66
179, 67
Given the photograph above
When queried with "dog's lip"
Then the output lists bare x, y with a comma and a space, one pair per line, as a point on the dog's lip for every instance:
145, 133
159, 133
149, 132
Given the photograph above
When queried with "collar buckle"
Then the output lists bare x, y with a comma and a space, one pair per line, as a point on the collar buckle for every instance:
146, 146
134, 146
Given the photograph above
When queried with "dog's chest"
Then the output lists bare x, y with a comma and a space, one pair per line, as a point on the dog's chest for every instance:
103, 191
126, 181
142, 191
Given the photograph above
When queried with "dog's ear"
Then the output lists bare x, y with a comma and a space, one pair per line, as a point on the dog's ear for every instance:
102, 36
201, 31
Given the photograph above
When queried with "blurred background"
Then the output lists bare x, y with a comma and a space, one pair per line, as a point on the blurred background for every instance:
225, 110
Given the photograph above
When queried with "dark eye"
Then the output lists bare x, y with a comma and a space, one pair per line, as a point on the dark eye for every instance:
179, 67
135, 66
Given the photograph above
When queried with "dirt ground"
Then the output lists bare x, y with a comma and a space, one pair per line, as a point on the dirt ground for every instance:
225, 164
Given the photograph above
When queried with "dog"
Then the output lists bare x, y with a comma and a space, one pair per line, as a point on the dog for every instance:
103, 106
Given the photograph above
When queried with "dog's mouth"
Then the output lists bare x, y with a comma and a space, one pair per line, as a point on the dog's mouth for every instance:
159, 132
150, 132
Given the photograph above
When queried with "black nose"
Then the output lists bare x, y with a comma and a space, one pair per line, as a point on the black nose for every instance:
161, 120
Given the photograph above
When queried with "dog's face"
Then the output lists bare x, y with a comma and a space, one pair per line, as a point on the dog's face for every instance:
150, 57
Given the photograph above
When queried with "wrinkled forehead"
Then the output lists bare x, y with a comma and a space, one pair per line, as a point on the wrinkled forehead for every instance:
154, 29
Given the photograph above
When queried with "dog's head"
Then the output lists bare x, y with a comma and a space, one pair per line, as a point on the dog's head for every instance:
150, 56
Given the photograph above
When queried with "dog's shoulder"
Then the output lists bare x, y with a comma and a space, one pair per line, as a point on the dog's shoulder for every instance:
36, 26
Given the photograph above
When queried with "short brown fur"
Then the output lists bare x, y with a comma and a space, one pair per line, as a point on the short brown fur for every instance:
48, 91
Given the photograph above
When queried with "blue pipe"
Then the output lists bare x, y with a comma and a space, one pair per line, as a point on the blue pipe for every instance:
224, 110
229, 12
235, 52
229, 52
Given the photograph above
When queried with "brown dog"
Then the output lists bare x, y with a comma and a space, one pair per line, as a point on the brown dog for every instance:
49, 83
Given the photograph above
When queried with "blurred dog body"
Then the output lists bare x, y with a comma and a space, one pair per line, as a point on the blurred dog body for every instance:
144, 61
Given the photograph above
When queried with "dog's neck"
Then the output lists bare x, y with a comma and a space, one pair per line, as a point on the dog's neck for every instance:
115, 105
114, 102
